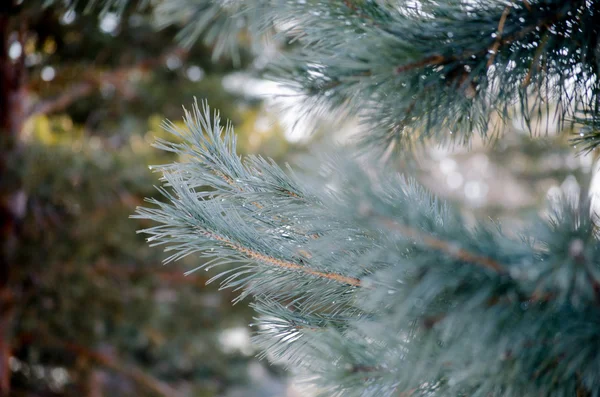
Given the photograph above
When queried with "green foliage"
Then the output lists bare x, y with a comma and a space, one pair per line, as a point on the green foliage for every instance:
416, 71
363, 280
589, 134
373, 287
89, 282
94, 309
98, 7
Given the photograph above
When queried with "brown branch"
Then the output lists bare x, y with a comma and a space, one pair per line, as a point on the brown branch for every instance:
227, 179
289, 193
137, 375
172, 277
536, 57
84, 88
282, 264
350, 5
444, 246
432, 60
438, 59
496, 46
231, 183
307, 327
62, 101
407, 393
128, 370
394, 132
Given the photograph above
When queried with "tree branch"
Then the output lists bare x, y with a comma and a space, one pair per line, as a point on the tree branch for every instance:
499, 31
443, 246
438, 59
287, 265
128, 370
169, 277
117, 77
137, 375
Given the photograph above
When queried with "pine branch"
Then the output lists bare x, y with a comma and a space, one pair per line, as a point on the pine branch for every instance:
412, 258
425, 321
281, 264
450, 66
101, 7
438, 59
588, 135
444, 246
174, 277
459, 65
214, 201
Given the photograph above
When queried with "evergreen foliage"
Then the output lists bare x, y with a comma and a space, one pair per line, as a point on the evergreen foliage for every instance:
87, 308
375, 287
363, 280
96, 299
423, 69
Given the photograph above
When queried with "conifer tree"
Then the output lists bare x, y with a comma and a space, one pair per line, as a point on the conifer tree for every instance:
85, 306
361, 279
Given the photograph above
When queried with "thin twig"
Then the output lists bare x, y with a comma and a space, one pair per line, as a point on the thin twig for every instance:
169, 277
62, 101
432, 60
349, 4
231, 183
140, 377
496, 46
438, 59
87, 87
444, 246
394, 133
282, 264
308, 328
407, 393
128, 370
536, 57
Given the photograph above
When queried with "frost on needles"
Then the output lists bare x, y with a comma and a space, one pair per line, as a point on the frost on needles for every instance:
376, 288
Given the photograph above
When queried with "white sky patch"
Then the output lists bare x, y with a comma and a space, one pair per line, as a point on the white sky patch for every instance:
15, 50
454, 180
109, 22
278, 99
236, 339
447, 165
476, 191
48, 73
194, 73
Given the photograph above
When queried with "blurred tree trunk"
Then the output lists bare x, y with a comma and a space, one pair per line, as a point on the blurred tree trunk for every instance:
12, 198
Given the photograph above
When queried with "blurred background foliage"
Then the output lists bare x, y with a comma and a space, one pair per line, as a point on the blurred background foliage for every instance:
97, 313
